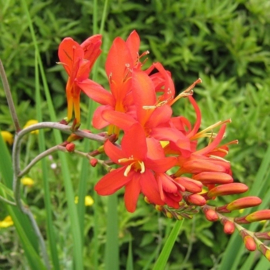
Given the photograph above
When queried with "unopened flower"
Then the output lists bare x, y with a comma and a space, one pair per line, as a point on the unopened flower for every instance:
6, 222
30, 123
7, 137
27, 181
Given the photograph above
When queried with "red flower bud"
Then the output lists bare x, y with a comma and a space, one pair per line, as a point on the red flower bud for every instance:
243, 203
211, 214
232, 188
189, 184
70, 147
229, 227
195, 199
213, 178
248, 241
259, 215
93, 162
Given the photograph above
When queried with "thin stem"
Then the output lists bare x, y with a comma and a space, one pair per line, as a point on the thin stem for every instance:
9, 97
36, 159
7, 201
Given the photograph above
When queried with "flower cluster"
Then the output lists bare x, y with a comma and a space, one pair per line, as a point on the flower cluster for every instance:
156, 153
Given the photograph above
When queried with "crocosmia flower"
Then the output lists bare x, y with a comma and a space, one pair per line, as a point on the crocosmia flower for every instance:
139, 159
78, 60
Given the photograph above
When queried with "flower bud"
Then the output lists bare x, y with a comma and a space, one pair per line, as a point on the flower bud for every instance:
243, 203
70, 147
159, 208
232, 188
259, 215
93, 162
248, 241
211, 214
228, 227
195, 199
189, 184
265, 251
263, 235
213, 178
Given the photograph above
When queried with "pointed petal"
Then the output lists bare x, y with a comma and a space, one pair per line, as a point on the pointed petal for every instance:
119, 119
69, 51
117, 63
214, 143
111, 182
154, 149
96, 92
143, 94
161, 115
149, 188
83, 70
91, 48
98, 122
133, 44
134, 142
160, 165
113, 152
132, 192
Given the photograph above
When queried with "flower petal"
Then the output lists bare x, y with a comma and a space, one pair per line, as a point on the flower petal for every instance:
119, 119
113, 152
91, 48
69, 51
96, 92
111, 182
133, 44
98, 122
132, 192
160, 165
134, 142
149, 188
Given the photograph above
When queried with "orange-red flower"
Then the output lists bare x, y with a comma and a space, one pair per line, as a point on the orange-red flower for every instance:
139, 159
78, 60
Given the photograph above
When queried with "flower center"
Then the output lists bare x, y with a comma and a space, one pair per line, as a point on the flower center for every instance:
134, 164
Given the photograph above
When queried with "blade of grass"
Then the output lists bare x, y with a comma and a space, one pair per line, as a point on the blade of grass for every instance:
72, 210
47, 196
112, 248
130, 255
166, 251
234, 250
21, 222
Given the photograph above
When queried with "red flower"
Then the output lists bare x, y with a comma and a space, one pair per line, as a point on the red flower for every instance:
78, 60
139, 159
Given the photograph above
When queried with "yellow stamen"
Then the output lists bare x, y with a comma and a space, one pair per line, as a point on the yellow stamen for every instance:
142, 166
127, 170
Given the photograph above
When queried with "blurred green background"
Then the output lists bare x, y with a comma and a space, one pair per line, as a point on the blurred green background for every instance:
226, 43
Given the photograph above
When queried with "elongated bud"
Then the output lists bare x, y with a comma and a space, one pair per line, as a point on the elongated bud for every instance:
146, 200
70, 147
213, 178
232, 188
242, 203
195, 199
93, 162
200, 165
259, 215
189, 184
210, 214
248, 241
169, 214
265, 251
263, 235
